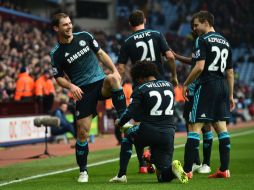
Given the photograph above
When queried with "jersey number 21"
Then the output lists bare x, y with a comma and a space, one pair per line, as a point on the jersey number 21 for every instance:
146, 49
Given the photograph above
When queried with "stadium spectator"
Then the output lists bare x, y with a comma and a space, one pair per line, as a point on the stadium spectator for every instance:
44, 91
65, 125
24, 86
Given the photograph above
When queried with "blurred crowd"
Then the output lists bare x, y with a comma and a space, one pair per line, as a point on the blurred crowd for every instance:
25, 48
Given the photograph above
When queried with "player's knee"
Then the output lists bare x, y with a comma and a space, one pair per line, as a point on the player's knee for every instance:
206, 128
83, 133
113, 79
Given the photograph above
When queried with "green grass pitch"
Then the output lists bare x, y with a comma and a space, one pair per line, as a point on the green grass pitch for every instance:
241, 167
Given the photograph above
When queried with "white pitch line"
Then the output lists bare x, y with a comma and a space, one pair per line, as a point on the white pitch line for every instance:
103, 162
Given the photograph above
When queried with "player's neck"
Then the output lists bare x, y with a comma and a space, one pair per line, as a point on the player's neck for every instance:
211, 29
63, 40
139, 27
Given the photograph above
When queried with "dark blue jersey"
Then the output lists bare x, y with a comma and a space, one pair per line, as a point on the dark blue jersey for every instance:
77, 60
216, 51
153, 104
142, 45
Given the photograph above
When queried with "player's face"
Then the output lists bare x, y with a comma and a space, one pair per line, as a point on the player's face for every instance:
198, 27
65, 27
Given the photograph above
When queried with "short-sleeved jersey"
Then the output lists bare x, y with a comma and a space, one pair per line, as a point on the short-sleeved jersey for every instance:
216, 51
153, 104
142, 45
77, 60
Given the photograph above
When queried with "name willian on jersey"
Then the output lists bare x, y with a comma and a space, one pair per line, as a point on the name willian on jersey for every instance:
158, 84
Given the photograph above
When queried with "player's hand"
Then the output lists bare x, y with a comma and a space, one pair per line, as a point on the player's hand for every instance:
76, 92
117, 75
185, 88
117, 123
174, 81
232, 103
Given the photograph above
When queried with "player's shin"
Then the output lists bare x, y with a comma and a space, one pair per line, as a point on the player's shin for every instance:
190, 150
81, 155
119, 102
224, 147
125, 155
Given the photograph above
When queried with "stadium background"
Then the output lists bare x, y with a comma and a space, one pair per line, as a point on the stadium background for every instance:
26, 39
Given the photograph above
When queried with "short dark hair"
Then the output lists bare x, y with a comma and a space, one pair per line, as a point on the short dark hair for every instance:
204, 16
143, 69
57, 17
136, 18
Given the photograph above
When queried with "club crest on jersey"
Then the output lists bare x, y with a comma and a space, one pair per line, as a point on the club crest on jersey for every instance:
82, 43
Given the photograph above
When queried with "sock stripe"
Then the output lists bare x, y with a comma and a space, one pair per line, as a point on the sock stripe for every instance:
208, 135
193, 135
82, 144
223, 135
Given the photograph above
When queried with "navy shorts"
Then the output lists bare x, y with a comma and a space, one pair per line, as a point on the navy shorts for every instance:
210, 102
88, 104
160, 143
187, 108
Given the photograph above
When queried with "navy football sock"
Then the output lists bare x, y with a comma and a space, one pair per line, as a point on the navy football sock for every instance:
81, 155
191, 146
197, 157
125, 155
207, 147
140, 152
119, 102
224, 146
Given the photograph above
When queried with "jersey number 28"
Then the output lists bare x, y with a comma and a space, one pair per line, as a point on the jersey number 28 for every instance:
220, 55
155, 110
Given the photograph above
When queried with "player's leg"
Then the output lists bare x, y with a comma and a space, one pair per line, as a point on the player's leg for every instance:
162, 155
222, 113
82, 150
207, 148
112, 87
85, 111
125, 154
192, 144
224, 149
187, 109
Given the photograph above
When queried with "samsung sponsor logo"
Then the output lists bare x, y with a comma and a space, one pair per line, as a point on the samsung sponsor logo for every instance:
78, 54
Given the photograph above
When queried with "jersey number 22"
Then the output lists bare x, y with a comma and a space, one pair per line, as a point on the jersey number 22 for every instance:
155, 110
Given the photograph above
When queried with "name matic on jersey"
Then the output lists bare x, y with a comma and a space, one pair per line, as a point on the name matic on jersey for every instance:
160, 84
218, 40
141, 35
78, 54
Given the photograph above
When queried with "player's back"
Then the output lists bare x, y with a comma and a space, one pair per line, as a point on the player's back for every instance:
157, 101
142, 45
216, 51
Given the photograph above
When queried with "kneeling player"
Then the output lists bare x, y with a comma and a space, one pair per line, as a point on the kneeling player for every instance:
152, 105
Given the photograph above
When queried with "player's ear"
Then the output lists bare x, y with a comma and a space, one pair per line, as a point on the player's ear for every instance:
55, 28
144, 20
